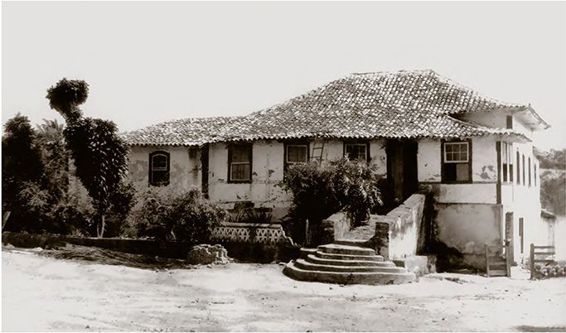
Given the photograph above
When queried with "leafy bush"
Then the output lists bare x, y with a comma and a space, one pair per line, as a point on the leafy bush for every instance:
183, 217
121, 201
322, 190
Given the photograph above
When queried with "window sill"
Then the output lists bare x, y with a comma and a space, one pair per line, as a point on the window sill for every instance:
239, 182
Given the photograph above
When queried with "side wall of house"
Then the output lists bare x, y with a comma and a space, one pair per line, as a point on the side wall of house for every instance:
467, 214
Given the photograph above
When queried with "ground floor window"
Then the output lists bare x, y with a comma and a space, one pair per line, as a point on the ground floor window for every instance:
159, 168
296, 153
456, 162
356, 151
240, 163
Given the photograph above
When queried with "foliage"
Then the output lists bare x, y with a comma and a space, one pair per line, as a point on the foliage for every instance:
322, 190
72, 215
552, 180
98, 153
121, 202
553, 159
22, 167
184, 217
553, 191
55, 157
66, 96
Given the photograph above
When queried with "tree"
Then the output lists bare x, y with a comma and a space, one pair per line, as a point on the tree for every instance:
322, 190
98, 153
51, 142
21, 166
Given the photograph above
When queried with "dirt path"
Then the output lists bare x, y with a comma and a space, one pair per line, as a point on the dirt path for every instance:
43, 293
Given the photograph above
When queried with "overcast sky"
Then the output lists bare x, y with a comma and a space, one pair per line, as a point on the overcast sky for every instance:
149, 62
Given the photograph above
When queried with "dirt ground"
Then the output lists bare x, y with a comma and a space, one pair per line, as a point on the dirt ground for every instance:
48, 293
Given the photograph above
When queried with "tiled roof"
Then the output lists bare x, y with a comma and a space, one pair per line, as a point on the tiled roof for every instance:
405, 104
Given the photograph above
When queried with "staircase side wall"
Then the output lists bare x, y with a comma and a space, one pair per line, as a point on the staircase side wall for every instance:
397, 233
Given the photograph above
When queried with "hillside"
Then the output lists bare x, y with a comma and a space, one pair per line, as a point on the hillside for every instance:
553, 180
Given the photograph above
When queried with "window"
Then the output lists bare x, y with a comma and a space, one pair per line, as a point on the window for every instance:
456, 162
356, 151
518, 168
159, 168
240, 163
296, 153
535, 171
505, 160
510, 156
523, 169
509, 122
529, 171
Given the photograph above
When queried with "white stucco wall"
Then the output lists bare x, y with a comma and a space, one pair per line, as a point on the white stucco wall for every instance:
267, 172
184, 167
428, 160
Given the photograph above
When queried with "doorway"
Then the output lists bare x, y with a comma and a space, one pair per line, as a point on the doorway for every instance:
509, 236
402, 173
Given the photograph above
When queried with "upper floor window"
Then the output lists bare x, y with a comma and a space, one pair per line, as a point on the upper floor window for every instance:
240, 163
159, 168
296, 153
509, 122
523, 156
356, 151
456, 162
505, 160
529, 171
518, 168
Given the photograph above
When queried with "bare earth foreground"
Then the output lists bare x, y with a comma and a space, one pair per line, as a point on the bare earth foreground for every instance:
44, 293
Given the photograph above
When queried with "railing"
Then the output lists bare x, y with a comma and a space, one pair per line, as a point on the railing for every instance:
497, 260
547, 253
250, 232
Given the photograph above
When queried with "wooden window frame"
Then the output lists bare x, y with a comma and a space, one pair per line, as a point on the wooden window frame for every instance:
530, 173
507, 162
151, 168
231, 147
518, 168
524, 179
356, 143
287, 164
443, 162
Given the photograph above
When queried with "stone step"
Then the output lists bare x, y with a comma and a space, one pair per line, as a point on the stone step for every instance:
497, 272
346, 249
339, 262
324, 255
372, 278
352, 242
310, 266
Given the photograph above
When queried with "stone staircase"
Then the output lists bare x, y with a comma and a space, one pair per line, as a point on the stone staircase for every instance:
346, 262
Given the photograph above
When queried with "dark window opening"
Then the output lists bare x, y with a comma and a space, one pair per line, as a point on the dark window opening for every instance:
524, 170
505, 160
510, 122
518, 169
240, 163
356, 151
296, 153
529, 171
159, 168
535, 171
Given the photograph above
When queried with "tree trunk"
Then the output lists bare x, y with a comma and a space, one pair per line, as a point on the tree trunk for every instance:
100, 228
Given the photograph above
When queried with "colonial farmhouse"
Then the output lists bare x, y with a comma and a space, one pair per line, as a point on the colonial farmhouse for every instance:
416, 127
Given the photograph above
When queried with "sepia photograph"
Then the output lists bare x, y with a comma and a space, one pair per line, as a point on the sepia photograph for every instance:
283, 166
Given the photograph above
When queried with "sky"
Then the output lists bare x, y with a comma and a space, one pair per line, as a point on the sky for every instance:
148, 62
